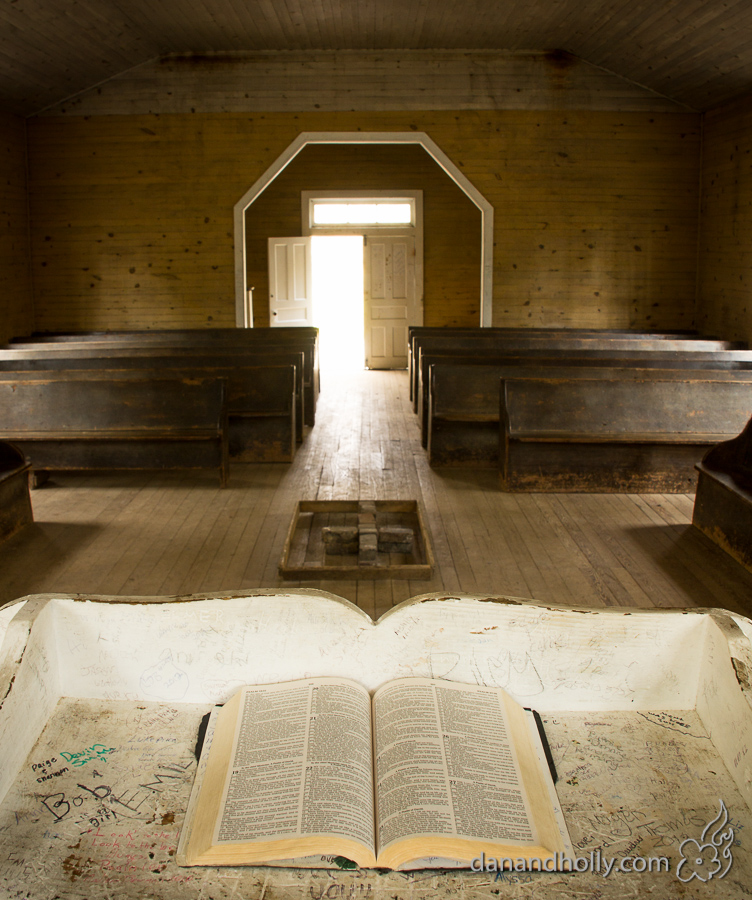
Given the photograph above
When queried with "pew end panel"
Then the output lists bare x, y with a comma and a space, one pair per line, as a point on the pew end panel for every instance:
262, 437
723, 503
462, 426
15, 502
262, 414
723, 513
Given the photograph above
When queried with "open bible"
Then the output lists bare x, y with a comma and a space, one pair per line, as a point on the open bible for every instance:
424, 773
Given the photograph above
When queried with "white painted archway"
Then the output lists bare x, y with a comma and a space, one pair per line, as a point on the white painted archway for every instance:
360, 137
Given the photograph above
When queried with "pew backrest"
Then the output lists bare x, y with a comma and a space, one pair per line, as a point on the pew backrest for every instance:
702, 410
109, 412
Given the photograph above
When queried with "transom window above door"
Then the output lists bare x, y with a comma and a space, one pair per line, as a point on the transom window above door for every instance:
388, 213
353, 212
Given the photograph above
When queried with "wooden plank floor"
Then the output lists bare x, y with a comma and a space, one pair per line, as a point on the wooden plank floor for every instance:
180, 534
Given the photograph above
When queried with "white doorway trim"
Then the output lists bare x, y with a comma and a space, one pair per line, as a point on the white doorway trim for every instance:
243, 311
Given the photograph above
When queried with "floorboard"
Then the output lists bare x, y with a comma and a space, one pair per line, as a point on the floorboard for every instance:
148, 534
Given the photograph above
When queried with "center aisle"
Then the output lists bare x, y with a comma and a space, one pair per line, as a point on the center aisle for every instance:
179, 533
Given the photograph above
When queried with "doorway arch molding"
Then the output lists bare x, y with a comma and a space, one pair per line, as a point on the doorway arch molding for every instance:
364, 137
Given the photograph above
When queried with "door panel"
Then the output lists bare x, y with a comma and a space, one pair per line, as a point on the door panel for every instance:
390, 299
290, 282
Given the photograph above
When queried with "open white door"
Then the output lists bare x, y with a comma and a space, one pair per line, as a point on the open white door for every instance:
390, 299
290, 282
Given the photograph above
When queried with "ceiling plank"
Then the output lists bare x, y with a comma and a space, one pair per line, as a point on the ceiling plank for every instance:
697, 52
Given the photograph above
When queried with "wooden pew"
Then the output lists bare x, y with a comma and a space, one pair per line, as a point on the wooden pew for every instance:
15, 503
464, 412
261, 400
416, 333
723, 503
478, 340
195, 360
488, 344
208, 353
454, 381
303, 353
63, 422
303, 339
639, 434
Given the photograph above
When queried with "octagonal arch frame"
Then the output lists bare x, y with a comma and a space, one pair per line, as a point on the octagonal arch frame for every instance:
243, 311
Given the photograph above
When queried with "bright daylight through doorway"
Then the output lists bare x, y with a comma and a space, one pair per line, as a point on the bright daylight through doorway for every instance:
337, 270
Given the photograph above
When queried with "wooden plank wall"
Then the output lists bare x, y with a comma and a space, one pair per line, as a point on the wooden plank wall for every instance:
452, 222
725, 258
16, 313
596, 212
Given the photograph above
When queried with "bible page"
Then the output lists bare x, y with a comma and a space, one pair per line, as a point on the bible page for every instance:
445, 765
301, 764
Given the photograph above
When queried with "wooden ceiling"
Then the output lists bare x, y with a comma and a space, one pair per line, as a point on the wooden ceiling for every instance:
696, 52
